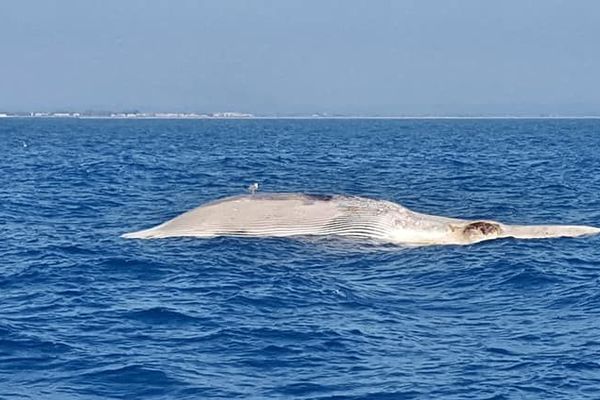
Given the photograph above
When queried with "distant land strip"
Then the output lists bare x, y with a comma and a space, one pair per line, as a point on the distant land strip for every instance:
243, 115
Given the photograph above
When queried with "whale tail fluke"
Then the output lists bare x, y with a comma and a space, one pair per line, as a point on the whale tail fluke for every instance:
151, 233
164, 231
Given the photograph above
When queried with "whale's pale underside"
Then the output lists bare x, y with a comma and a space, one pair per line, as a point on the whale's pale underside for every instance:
290, 214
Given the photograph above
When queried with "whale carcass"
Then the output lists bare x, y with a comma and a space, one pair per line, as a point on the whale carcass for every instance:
290, 214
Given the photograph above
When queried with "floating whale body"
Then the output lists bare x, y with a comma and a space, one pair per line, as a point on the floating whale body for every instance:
290, 214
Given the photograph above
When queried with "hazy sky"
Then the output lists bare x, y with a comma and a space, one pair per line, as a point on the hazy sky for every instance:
346, 56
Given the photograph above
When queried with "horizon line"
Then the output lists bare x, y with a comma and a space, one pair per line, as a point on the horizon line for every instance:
303, 117
136, 114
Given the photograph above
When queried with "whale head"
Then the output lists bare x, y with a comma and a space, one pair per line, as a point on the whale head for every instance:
478, 231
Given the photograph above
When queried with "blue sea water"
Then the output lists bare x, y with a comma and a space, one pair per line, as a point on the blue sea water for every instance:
85, 314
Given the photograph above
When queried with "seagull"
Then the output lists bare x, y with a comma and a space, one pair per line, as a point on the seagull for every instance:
253, 188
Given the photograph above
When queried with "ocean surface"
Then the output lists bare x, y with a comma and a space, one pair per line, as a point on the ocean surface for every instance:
85, 314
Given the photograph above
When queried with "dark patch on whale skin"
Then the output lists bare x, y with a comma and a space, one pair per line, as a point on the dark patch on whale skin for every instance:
319, 197
239, 232
481, 227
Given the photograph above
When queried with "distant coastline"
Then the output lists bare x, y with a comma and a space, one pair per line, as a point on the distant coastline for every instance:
124, 115
242, 115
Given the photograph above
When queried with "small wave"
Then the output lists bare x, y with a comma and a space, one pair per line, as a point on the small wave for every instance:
502, 351
530, 279
129, 381
12, 343
131, 374
303, 389
162, 315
